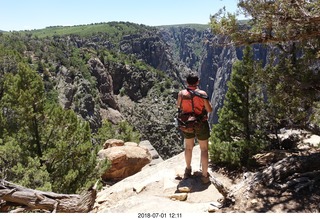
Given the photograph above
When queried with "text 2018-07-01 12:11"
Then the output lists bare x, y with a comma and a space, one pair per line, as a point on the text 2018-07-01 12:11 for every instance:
160, 215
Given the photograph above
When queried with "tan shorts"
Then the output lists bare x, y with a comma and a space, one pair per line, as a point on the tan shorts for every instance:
202, 132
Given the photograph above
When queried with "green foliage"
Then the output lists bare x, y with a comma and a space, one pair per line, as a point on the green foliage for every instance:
26, 171
291, 86
316, 114
105, 132
116, 57
123, 131
34, 175
9, 157
223, 152
23, 100
112, 31
52, 145
269, 21
122, 91
126, 132
69, 155
238, 136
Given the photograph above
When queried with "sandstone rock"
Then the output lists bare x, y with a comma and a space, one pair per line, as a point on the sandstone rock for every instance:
159, 183
133, 144
184, 189
125, 161
179, 196
113, 142
102, 154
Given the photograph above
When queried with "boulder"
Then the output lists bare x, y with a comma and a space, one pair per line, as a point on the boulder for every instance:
125, 161
112, 143
129, 143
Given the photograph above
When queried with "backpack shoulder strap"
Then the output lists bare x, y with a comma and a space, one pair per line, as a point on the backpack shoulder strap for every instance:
192, 96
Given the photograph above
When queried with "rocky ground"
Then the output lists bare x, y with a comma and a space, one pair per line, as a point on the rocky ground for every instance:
155, 190
159, 189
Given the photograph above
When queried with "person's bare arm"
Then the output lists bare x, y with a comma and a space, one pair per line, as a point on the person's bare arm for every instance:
207, 104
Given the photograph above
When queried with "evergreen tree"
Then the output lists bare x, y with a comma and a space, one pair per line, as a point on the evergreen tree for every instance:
238, 135
23, 102
69, 155
122, 131
270, 21
292, 76
49, 143
291, 87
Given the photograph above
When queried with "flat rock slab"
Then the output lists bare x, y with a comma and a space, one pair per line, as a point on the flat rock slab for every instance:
158, 183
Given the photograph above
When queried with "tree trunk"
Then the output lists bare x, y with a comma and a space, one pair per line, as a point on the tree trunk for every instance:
28, 199
294, 174
228, 198
290, 168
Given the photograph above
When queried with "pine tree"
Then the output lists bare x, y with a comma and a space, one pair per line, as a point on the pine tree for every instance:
291, 87
237, 136
23, 101
69, 155
270, 21
49, 143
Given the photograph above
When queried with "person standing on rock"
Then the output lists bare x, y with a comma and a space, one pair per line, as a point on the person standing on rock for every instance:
193, 100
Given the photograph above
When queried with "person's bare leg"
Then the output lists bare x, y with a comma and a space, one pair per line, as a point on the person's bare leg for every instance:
189, 144
204, 156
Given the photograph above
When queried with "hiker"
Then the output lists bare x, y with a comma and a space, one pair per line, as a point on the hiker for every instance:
192, 100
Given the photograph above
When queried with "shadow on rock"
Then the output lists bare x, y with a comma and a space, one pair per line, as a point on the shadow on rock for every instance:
192, 184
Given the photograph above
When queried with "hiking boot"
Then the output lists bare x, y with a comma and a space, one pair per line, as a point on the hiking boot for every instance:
205, 179
187, 173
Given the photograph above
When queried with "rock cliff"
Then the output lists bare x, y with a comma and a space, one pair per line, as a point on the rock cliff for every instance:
146, 97
134, 73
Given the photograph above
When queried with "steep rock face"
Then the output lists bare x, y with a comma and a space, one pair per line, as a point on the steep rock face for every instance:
215, 70
176, 51
151, 48
147, 47
185, 43
131, 81
216, 67
75, 92
104, 83
196, 48
120, 88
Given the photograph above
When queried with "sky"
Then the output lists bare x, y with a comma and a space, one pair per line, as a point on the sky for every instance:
37, 14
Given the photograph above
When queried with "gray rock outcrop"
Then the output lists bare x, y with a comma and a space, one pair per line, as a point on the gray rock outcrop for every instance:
156, 158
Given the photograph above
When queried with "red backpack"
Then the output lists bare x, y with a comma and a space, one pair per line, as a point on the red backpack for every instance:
191, 116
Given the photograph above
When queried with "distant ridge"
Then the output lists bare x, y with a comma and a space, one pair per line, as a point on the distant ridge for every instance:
83, 29
198, 27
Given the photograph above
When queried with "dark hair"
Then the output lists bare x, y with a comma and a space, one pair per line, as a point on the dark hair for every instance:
192, 79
